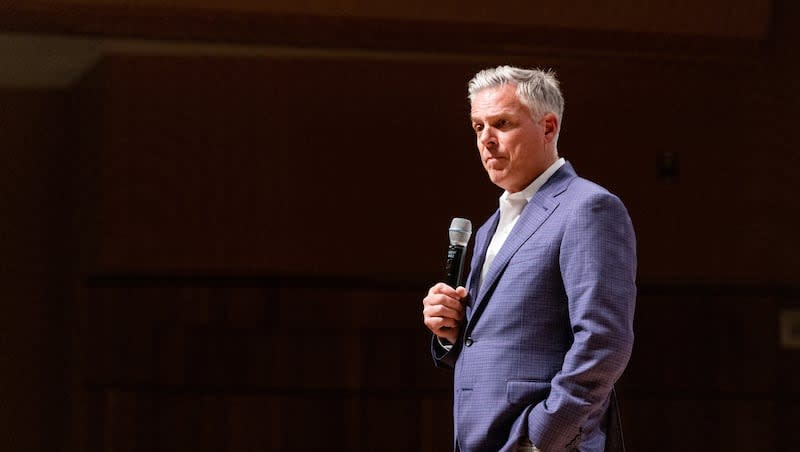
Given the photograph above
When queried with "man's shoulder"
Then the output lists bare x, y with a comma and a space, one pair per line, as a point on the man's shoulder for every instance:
581, 187
583, 194
567, 181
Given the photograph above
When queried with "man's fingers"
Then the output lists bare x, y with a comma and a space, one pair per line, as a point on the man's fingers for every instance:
440, 310
443, 310
435, 324
444, 289
440, 299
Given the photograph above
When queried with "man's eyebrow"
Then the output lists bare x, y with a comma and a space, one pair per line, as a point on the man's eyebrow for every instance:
485, 117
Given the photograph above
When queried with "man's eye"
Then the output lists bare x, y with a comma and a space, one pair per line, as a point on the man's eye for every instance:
478, 127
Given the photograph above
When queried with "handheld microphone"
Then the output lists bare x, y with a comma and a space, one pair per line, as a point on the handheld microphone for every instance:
460, 232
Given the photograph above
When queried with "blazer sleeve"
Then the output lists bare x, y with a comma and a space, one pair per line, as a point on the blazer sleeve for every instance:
444, 357
597, 259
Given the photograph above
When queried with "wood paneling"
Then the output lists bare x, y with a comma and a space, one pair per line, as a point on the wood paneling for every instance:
281, 164
739, 18
302, 376
34, 269
706, 368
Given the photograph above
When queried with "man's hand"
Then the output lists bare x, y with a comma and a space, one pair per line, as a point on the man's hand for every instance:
443, 312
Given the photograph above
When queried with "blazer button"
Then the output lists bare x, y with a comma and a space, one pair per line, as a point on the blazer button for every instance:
468, 341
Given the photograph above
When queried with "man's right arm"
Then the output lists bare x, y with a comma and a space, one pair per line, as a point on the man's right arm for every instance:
443, 314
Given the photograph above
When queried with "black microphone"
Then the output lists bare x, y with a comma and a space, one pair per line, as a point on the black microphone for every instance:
460, 232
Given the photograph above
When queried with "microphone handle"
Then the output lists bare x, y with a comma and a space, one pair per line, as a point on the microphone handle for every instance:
455, 265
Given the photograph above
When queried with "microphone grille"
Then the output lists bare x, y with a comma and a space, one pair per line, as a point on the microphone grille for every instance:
460, 231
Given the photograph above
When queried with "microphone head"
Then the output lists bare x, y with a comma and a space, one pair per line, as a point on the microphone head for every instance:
460, 231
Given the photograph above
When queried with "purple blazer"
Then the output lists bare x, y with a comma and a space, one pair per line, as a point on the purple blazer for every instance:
550, 329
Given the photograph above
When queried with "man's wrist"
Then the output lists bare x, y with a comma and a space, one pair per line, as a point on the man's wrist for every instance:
444, 343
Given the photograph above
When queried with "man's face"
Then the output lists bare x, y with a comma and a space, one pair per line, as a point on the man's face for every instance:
514, 148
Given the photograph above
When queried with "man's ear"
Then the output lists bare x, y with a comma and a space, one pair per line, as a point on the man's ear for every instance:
551, 126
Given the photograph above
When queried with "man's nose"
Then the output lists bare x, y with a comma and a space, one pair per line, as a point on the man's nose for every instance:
488, 137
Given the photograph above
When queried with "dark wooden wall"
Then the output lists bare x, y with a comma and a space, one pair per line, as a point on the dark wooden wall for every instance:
34, 269
220, 252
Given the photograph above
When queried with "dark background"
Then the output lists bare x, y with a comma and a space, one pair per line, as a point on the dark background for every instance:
218, 221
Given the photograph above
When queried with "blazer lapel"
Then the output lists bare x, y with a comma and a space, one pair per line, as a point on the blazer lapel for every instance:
482, 240
538, 210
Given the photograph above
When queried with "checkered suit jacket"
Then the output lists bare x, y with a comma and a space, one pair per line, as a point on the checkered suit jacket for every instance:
550, 329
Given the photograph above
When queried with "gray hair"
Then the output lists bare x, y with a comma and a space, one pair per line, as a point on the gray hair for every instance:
536, 89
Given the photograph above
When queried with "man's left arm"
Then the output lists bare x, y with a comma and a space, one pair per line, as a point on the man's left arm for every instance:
598, 268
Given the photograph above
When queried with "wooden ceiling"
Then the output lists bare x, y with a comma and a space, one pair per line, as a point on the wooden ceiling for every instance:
748, 19
664, 28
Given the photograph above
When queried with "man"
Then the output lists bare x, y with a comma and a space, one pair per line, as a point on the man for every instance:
544, 327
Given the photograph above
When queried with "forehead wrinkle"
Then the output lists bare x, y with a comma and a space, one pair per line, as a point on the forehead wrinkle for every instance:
497, 102
498, 112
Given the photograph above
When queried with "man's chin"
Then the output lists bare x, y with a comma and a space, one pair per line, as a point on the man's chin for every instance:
495, 175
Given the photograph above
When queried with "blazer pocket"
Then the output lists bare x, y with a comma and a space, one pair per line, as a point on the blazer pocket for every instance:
522, 392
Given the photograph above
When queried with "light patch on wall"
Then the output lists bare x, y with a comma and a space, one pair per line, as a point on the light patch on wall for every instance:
790, 328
